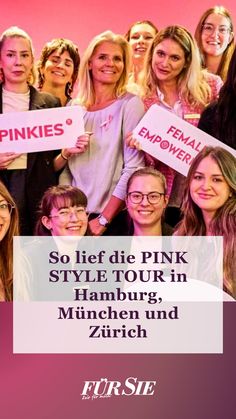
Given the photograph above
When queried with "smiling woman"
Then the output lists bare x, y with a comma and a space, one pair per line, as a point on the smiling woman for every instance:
110, 114
63, 212
9, 227
58, 68
215, 39
209, 205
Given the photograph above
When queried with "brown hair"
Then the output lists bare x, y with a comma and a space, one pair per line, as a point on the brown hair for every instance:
61, 45
224, 221
56, 197
227, 54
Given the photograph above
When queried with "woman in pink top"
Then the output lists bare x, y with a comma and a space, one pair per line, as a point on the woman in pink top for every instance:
173, 79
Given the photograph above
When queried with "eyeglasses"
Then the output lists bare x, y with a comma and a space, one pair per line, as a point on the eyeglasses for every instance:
6, 209
208, 28
65, 214
152, 197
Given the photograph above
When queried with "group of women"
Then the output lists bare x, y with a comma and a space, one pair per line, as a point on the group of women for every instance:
115, 88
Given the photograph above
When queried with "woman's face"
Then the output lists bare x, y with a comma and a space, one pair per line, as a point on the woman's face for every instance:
58, 69
141, 37
107, 63
5, 217
208, 187
16, 62
146, 213
216, 34
67, 221
168, 60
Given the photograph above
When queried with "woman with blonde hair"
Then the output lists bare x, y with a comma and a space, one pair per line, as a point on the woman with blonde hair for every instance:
140, 36
173, 79
111, 113
209, 205
215, 38
9, 227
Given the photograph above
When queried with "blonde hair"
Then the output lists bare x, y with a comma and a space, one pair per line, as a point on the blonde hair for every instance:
86, 96
227, 54
15, 32
192, 84
224, 221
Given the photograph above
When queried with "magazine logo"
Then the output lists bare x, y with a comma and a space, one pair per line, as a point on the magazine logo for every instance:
105, 388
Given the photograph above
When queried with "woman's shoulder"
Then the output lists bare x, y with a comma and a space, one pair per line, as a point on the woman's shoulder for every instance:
213, 80
43, 98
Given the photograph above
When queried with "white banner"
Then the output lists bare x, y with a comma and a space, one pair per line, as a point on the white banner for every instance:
41, 130
171, 140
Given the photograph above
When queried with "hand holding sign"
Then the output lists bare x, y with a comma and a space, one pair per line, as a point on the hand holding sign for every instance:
6, 159
81, 145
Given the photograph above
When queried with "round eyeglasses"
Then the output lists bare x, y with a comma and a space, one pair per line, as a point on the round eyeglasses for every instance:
152, 197
66, 214
6, 209
209, 29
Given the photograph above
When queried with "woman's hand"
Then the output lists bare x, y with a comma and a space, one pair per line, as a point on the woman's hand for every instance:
81, 145
7, 158
132, 142
96, 228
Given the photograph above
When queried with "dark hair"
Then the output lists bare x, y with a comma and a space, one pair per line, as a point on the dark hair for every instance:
141, 22
6, 246
61, 45
56, 197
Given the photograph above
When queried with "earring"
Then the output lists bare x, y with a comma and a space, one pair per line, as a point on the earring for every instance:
69, 89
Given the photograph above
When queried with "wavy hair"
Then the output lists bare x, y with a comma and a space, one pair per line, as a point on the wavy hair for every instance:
227, 54
15, 32
61, 45
224, 220
86, 96
6, 246
192, 83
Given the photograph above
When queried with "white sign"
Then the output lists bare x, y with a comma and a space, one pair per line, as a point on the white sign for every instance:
41, 130
172, 140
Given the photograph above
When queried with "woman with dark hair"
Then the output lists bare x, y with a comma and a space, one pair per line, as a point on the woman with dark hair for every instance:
215, 38
58, 68
140, 36
9, 227
219, 118
209, 205
62, 212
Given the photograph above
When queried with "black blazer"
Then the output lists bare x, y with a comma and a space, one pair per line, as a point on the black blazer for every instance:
40, 174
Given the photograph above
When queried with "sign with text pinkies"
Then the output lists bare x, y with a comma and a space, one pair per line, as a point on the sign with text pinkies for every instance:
41, 130
171, 140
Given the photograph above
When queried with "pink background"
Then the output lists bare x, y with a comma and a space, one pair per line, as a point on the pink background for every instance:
49, 386
81, 20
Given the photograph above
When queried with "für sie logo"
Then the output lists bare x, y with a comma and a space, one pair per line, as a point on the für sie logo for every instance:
105, 388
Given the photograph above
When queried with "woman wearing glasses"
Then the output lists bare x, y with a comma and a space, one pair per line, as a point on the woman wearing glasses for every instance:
9, 227
62, 212
146, 201
215, 39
